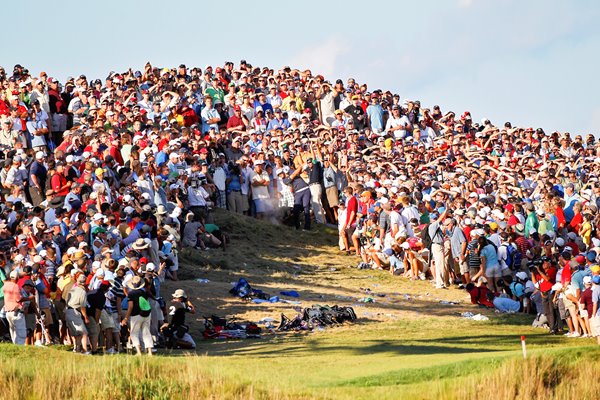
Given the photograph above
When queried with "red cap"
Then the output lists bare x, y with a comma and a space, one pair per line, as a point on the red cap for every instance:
509, 207
307, 110
237, 108
15, 92
144, 260
218, 69
204, 150
105, 283
580, 259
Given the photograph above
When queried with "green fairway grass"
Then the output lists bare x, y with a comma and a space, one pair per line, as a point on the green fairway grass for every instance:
406, 345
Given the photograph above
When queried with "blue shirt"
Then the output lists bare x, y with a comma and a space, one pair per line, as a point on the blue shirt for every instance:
375, 114
491, 256
161, 157
235, 183
39, 170
577, 278
278, 123
209, 114
568, 210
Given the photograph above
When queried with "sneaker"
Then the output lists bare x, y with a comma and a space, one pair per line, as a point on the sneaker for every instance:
422, 276
110, 351
38, 343
86, 353
575, 334
568, 334
440, 287
585, 335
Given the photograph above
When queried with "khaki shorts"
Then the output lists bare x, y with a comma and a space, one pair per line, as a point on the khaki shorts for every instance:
332, 196
463, 266
571, 308
92, 327
106, 321
75, 322
116, 319
384, 258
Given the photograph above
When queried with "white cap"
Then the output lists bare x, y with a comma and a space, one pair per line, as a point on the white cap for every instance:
39, 155
98, 217
70, 158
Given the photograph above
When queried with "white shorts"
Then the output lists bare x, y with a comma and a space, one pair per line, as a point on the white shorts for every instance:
493, 271
595, 326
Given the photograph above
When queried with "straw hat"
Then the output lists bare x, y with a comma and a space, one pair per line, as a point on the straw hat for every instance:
140, 244
135, 283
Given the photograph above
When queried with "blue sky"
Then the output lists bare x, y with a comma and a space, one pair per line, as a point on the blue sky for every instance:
530, 62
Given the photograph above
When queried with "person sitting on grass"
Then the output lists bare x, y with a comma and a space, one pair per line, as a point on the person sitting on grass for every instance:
484, 297
196, 236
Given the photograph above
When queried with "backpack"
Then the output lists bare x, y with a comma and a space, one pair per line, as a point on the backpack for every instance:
243, 290
513, 257
426, 239
144, 305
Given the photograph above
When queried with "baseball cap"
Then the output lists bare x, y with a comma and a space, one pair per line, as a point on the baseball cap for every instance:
591, 255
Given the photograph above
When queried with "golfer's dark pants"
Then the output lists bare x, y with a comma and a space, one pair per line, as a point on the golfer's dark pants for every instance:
550, 311
200, 212
302, 203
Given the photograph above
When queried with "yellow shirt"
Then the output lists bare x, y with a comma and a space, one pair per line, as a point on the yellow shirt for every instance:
286, 104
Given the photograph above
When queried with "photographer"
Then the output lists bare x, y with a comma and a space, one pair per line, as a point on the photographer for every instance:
176, 331
545, 277
198, 197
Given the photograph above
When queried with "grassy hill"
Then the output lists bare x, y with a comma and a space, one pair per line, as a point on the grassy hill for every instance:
405, 345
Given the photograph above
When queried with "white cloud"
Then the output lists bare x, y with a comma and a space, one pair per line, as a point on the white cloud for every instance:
465, 3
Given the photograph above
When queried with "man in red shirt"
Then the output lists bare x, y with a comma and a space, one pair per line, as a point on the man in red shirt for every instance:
59, 181
14, 313
236, 121
479, 295
351, 211
545, 276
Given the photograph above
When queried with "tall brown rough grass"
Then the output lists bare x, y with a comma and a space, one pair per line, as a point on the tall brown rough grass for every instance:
67, 376
540, 377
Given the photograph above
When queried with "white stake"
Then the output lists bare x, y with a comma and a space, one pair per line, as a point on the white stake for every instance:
523, 346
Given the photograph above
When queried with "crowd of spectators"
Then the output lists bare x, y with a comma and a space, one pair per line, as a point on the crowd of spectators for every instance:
104, 181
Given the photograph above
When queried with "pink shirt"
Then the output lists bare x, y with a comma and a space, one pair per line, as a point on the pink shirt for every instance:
12, 295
